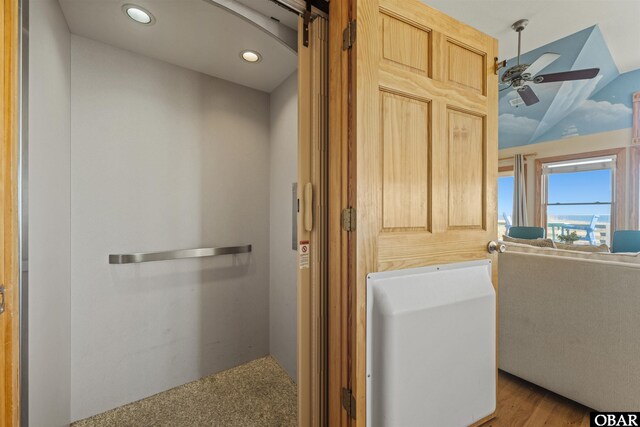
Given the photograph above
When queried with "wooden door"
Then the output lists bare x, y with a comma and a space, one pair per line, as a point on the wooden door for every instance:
423, 149
312, 222
9, 319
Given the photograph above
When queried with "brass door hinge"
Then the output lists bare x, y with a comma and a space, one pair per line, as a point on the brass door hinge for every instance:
349, 219
349, 402
2, 306
349, 35
498, 65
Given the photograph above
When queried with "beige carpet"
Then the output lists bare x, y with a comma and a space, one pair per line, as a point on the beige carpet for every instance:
258, 393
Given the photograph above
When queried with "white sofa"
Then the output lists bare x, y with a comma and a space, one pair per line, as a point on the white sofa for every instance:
570, 322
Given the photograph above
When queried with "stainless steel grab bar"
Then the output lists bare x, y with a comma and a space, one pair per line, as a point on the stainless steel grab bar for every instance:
177, 254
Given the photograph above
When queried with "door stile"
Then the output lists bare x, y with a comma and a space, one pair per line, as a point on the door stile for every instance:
9, 265
341, 256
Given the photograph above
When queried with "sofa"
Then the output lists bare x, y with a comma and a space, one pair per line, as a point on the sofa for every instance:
569, 321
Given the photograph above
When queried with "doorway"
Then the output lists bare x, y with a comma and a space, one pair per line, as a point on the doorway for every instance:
142, 143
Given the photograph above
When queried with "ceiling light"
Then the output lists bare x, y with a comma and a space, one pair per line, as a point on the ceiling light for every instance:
138, 14
250, 56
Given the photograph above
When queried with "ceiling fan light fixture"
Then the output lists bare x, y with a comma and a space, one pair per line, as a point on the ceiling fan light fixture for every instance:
520, 25
519, 74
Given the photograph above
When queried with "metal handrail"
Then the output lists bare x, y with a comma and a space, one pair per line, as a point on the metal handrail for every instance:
177, 254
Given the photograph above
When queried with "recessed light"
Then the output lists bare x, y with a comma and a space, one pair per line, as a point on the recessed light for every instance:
138, 14
250, 56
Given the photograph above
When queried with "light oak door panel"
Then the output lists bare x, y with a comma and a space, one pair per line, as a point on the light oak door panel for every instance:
465, 67
9, 268
405, 162
312, 223
405, 44
466, 160
424, 142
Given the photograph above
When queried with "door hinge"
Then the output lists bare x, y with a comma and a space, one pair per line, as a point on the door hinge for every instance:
349, 35
306, 21
2, 299
349, 402
349, 219
498, 65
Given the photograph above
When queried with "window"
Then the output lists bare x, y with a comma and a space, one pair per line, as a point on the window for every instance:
505, 202
579, 198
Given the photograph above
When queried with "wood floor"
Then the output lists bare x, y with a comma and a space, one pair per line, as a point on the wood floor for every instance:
524, 404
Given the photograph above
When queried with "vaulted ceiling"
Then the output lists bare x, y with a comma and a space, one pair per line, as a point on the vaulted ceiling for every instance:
521, 124
587, 34
570, 108
551, 20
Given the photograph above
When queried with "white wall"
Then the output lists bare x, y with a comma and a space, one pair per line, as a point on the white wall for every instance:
49, 219
163, 158
580, 144
283, 267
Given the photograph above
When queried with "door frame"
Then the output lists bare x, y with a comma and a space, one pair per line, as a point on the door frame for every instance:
9, 222
341, 242
312, 219
312, 385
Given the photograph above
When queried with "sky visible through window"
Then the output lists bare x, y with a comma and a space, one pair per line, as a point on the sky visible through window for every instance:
585, 187
591, 186
505, 196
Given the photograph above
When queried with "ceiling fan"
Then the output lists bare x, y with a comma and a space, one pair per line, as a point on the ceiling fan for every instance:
521, 75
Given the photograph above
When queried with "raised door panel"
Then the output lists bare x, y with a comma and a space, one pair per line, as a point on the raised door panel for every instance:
466, 175
405, 162
465, 67
405, 44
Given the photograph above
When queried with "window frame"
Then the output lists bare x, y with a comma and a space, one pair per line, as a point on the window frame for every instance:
618, 203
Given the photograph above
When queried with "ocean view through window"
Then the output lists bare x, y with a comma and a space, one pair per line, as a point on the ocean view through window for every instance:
579, 199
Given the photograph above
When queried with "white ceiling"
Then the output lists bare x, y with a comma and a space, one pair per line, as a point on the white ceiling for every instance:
190, 33
552, 20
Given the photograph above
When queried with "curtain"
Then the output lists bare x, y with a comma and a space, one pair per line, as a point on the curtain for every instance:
519, 215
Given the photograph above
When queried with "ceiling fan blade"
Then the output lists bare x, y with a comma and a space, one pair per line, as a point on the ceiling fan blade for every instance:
528, 95
539, 64
588, 73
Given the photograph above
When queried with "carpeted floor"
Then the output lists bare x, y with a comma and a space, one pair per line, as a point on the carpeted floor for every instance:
257, 394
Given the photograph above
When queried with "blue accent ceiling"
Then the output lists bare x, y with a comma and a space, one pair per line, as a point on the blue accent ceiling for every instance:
571, 108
